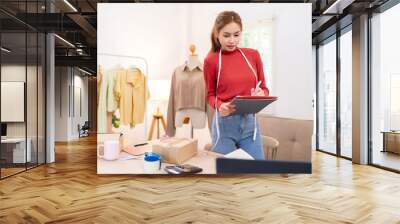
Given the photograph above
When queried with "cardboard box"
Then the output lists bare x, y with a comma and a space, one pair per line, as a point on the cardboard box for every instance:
175, 150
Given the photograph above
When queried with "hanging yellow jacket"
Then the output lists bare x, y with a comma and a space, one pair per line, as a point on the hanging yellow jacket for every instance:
130, 91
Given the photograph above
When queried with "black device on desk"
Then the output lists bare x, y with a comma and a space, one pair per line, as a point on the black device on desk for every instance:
183, 169
3, 130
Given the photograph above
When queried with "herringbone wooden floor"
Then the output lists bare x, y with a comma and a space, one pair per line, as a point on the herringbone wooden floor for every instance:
70, 191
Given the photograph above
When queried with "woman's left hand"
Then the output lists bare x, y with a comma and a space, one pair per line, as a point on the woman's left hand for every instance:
257, 92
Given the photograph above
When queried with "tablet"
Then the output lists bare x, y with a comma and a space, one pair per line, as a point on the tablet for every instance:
251, 104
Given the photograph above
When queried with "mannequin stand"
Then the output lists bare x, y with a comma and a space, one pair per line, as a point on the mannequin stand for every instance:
186, 121
156, 119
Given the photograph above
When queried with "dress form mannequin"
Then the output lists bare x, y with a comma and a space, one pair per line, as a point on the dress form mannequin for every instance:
192, 63
193, 60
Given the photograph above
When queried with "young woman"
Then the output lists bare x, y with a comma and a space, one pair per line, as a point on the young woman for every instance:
230, 71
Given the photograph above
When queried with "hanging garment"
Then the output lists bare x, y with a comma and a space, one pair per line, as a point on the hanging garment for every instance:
130, 91
106, 99
187, 92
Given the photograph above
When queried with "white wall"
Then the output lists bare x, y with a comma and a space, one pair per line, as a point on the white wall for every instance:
79, 117
66, 121
294, 79
61, 103
155, 32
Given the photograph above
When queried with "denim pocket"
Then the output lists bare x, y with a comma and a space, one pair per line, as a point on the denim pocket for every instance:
230, 117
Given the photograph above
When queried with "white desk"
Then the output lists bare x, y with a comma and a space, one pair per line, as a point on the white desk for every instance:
204, 159
19, 149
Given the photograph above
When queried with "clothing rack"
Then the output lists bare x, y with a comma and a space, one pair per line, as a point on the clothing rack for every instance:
129, 56
142, 59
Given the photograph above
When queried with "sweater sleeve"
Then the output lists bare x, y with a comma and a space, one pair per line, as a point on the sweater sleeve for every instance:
260, 73
210, 78
171, 110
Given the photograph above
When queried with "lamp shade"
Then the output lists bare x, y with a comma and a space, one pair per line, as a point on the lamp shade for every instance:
159, 89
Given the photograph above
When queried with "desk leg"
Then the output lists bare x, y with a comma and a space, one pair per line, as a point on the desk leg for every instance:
151, 129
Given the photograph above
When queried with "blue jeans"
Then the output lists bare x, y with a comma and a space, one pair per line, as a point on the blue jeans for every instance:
236, 131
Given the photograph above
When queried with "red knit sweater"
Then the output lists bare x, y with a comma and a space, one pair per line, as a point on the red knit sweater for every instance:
236, 78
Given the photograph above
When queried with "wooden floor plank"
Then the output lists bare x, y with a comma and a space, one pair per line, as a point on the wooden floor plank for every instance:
70, 191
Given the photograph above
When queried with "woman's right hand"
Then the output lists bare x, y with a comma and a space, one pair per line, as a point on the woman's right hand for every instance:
226, 109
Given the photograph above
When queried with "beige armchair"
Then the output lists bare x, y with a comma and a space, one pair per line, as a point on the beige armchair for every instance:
293, 137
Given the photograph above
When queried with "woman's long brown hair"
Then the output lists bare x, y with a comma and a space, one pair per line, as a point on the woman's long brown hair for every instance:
222, 20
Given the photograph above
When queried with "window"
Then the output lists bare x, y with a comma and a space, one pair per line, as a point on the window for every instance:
385, 89
327, 97
395, 102
346, 94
